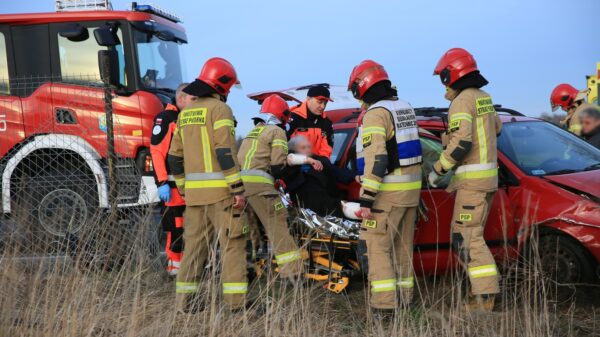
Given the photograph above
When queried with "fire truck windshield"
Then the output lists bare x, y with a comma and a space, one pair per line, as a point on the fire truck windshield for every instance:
159, 59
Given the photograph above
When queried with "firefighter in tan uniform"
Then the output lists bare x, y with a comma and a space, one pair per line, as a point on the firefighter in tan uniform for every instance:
389, 156
203, 160
262, 157
470, 150
572, 101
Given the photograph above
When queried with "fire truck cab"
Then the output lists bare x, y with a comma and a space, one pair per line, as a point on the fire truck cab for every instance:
52, 109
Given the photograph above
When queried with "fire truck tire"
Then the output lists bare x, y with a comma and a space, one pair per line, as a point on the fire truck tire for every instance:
564, 260
53, 205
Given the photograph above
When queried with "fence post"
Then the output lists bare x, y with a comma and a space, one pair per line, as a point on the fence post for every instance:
110, 139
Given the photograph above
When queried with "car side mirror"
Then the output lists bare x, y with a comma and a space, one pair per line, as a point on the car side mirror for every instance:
75, 32
108, 62
105, 37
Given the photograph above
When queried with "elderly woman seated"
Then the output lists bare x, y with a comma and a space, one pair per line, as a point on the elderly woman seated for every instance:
311, 181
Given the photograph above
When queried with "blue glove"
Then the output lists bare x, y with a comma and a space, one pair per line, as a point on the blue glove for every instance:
164, 193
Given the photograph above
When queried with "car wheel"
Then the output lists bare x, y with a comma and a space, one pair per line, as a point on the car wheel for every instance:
564, 260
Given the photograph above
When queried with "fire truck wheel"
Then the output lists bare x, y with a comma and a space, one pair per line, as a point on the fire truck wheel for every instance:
53, 206
564, 261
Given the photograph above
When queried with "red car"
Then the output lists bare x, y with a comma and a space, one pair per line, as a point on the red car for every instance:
549, 180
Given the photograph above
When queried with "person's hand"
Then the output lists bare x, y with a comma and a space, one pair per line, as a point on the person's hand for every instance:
164, 193
316, 165
357, 179
434, 179
365, 213
239, 201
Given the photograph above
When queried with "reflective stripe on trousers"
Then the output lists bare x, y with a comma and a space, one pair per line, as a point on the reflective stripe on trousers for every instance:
383, 285
476, 171
288, 257
186, 287
483, 271
257, 176
406, 282
235, 288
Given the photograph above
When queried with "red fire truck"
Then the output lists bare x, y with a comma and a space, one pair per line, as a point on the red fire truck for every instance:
53, 130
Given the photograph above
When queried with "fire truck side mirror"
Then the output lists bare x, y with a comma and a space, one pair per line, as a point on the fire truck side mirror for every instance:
108, 61
105, 37
74, 32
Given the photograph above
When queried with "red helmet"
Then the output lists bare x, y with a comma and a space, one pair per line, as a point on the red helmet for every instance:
276, 106
219, 74
563, 96
364, 76
454, 64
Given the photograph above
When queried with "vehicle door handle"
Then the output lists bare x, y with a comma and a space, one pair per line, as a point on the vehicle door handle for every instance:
65, 116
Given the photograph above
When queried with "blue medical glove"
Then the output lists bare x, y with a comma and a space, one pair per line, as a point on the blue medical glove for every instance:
164, 193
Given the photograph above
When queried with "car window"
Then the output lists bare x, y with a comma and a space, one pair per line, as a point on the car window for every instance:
4, 89
340, 142
431, 153
351, 160
540, 148
79, 59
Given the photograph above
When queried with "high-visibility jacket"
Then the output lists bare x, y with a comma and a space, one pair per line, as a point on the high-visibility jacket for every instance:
165, 124
390, 147
470, 142
203, 154
262, 157
317, 129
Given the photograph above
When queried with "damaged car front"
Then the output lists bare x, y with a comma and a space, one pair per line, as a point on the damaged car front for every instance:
557, 193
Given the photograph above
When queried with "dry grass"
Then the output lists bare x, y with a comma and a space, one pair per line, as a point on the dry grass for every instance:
68, 298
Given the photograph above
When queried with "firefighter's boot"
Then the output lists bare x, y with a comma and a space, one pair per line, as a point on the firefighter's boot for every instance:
480, 303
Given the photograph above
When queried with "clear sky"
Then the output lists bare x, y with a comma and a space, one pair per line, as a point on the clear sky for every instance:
523, 47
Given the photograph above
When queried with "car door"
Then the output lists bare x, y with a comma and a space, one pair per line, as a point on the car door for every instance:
11, 114
432, 233
32, 76
433, 253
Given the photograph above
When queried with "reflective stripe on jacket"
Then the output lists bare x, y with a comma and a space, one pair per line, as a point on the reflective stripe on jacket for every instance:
203, 155
262, 156
473, 126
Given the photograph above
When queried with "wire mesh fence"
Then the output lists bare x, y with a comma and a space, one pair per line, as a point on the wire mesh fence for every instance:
102, 273
56, 168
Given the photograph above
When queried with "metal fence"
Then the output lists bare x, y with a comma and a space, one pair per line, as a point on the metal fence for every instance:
63, 192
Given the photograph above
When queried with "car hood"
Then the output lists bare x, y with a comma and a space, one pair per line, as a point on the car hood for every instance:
587, 182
